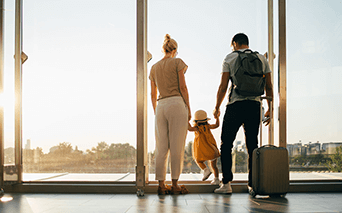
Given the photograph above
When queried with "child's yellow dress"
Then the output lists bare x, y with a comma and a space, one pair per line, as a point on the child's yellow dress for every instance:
204, 147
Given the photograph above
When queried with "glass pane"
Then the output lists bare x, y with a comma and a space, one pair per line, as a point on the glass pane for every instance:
79, 91
8, 101
203, 30
314, 90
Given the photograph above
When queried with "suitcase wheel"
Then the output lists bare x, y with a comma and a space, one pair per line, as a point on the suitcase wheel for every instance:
140, 192
277, 195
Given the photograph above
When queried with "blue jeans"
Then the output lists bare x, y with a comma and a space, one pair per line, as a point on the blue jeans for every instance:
241, 113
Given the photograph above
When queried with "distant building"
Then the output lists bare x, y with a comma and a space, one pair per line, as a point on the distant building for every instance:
330, 148
240, 147
312, 148
28, 144
295, 149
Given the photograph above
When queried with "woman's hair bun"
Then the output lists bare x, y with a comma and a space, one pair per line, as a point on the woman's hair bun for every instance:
169, 44
167, 37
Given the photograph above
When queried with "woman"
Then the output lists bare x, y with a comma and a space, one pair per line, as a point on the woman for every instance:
172, 115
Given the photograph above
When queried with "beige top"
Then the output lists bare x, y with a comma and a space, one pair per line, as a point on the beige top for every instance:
165, 75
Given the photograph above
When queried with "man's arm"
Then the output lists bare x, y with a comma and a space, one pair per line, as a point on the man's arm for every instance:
221, 93
269, 93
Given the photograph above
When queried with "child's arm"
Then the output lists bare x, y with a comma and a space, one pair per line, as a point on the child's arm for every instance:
191, 129
217, 124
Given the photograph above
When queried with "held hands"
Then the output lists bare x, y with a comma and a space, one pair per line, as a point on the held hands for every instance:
216, 113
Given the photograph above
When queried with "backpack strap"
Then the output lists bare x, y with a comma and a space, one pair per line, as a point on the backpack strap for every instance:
238, 51
231, 79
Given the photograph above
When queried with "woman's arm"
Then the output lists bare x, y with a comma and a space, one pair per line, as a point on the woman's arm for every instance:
154, 95
184, 89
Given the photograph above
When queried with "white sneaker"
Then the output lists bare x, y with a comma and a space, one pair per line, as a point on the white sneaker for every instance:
224, 189
206, 174
250, 189
216, 181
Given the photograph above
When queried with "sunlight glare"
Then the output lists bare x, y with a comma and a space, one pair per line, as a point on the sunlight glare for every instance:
6, 199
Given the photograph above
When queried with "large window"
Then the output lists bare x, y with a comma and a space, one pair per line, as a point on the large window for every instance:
314, 32
203, 30
79, 83
79, 91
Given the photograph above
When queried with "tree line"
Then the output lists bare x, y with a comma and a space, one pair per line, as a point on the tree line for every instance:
118, 157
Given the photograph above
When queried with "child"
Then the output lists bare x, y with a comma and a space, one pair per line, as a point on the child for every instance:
204, 147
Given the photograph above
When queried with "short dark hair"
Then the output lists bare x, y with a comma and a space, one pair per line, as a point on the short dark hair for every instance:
240, 39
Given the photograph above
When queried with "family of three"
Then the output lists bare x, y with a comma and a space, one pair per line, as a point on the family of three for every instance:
170, 101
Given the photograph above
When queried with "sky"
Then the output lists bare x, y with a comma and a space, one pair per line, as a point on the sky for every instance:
79, 83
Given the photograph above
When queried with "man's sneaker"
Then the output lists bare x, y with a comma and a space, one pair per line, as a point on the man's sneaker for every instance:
250, 189
224, 189
206, 174
216, 181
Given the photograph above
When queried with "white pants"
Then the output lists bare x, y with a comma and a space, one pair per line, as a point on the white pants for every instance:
171, 126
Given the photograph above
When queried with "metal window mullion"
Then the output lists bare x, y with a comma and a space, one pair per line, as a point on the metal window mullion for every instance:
282, 73
141, 170
271, 64
1, 92
18, 88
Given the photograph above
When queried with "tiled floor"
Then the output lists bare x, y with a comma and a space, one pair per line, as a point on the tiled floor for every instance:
152, 203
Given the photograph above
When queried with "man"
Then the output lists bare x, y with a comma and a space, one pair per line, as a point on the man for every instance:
241, 110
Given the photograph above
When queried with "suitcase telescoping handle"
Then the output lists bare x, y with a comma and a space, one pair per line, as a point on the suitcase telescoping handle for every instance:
270, 126
268, 145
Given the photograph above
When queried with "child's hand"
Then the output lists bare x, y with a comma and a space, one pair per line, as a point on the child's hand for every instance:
190, 128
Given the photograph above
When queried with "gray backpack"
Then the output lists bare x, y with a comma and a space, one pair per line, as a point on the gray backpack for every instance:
249, 79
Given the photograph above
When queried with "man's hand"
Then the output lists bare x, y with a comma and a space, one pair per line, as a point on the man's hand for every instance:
268, 119
216, 113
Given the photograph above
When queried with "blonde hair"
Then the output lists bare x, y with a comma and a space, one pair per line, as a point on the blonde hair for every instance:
169, 44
